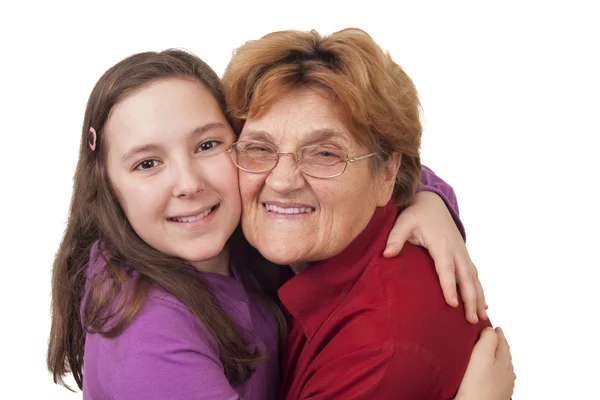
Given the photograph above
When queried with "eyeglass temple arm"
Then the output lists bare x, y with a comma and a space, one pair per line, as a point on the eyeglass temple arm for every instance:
361, 157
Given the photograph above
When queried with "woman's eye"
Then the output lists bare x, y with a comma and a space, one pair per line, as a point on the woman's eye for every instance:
258, 149
208, 145
326, 154
147, 164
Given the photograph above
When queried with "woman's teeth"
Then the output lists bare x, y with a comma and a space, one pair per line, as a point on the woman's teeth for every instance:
290, 210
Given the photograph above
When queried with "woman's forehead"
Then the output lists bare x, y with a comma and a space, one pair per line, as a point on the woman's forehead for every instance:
305, 115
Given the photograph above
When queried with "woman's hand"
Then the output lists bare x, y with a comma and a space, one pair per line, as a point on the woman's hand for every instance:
490, 374
428, 223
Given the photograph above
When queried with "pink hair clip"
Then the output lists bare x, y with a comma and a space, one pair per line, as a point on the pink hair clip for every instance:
92, 142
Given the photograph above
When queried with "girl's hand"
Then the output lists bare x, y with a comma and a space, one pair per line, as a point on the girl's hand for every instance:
490, 374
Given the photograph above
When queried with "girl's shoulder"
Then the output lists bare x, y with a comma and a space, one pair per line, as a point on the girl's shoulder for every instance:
156, 301
97, 268
98, 259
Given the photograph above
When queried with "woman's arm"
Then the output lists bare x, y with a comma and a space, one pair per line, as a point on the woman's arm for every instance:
432, 221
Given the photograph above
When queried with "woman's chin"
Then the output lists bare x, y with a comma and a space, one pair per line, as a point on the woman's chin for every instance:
283, 255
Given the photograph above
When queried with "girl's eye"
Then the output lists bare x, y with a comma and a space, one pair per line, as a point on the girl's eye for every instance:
208, 145
147, 164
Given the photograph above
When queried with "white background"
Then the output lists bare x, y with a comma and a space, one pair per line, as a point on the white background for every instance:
510, 93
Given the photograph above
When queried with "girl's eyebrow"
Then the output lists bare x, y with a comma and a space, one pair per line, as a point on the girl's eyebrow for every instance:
199, 131
204, 128
146, 148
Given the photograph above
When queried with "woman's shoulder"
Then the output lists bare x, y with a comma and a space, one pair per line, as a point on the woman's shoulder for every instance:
412, 267
416, 303
411, 287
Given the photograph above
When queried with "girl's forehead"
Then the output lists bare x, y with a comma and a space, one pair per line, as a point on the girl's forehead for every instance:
163, 109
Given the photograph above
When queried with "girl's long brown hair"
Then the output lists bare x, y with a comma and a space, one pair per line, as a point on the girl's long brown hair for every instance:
95, 215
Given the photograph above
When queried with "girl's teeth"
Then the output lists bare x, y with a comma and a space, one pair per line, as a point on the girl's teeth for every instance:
290, 210
194, 218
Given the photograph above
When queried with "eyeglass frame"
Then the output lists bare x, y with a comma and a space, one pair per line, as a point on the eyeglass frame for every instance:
348, 160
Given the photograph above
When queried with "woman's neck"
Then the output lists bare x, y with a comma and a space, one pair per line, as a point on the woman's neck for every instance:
299, 267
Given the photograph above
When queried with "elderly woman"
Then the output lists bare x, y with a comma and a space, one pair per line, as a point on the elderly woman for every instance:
329, 153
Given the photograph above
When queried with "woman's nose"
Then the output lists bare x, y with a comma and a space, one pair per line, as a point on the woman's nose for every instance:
285, 177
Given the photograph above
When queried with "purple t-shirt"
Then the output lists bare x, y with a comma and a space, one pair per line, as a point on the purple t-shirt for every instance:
165, 353
430, 182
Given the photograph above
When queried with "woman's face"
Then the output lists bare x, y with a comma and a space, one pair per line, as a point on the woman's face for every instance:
167, 163
330, 212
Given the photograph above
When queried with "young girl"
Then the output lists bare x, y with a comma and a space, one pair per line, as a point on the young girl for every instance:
155, 292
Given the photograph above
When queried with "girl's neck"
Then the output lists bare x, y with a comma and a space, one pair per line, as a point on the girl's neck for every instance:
217, 265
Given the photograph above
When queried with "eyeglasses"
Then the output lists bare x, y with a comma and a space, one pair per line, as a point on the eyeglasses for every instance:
317, 161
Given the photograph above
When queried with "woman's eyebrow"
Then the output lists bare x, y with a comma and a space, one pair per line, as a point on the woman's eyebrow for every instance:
317, 135
259, 135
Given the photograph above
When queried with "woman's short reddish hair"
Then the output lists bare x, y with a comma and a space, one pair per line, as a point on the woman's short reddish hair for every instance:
375, 97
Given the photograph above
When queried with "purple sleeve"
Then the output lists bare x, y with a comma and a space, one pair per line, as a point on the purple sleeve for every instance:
430, 182
163, 354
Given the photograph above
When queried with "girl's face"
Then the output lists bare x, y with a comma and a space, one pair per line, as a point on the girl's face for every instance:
168, 166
